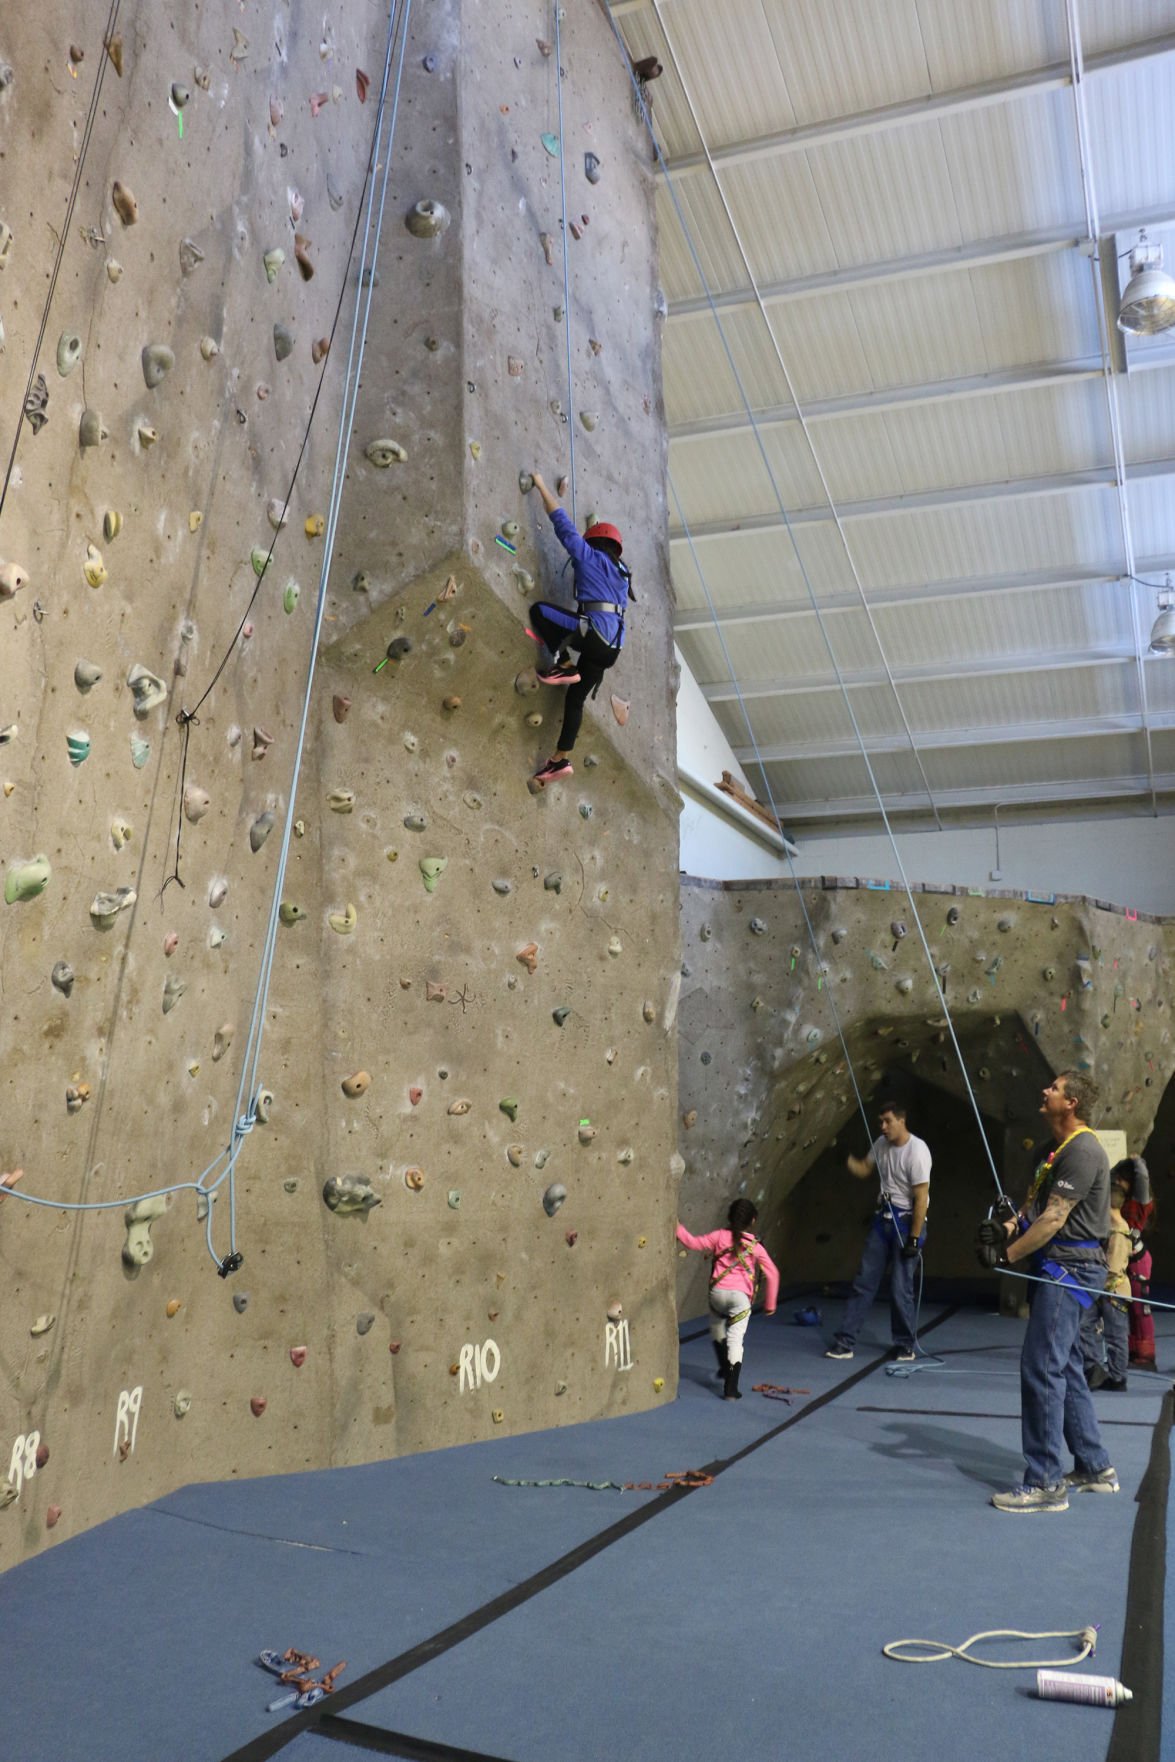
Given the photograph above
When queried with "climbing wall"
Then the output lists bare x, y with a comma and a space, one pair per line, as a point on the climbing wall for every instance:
1033, 985
457, 1169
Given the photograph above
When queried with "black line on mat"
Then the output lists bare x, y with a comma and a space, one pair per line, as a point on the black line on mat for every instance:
397, 1743
267, 1744
966, 1413
1138, 1726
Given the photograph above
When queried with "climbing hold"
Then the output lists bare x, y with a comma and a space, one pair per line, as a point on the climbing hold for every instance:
302, 257
454, 1198
348, 1194
510, 1108
52, 1517
257, 1405
1049, 973
624, 1157
262, 741
291, 594
69, 352
1005, 924
290, 912
431, 868
146, 689
182, 1402
111, 524
458, 1108
345, 921
191, 256
138, 1248
585, 810
12, 579
217, 892
259, 558
757, 927
514, 1155
502, 887
904, 985
953, 915
173, 1308
240, 1301
105, 907
433, 991
147, 435
615, 947
94, 569
364, 1322
209, 347
283, 341
297, 1356
586, 1132
341, 801
62, 977
510, 530
91, 429
385, 452
319, 350
221, 1041
355, 1085
77, 745
197, 802
273, 261
553, 1198
339, 707
427, 219
529, 956
173, 990
121, 833
658, 1384
260, 829
689, 1119
571, 1238
42, 1325
157, 360
124, 202
314, 526
560, 1015
620, 708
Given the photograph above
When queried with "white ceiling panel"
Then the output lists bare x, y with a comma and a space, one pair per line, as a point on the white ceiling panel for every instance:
739, 475
842, 56
1019, 534
955, 442
777, 210
1126, 108
1014, 167
1152, 516
738, 96
1056, 428
1037, 309
821, 347
1146, 402
702, 224
915, 331
885, 196
977, 626
988, 39
1107, 24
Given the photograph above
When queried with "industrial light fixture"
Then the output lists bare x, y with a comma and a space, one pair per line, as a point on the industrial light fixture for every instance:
1163, 634
1148, 302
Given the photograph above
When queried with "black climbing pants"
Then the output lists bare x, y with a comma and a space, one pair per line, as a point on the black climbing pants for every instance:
560, 629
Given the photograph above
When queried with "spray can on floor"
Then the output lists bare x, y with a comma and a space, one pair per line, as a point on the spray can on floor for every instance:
1070, 1685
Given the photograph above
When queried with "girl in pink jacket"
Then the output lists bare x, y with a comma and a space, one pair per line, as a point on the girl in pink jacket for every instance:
738, 1256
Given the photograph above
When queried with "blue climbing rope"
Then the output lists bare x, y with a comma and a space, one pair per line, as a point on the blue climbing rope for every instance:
566, 258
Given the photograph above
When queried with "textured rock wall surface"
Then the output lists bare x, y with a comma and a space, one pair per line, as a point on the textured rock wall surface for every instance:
766, 1086
473, 993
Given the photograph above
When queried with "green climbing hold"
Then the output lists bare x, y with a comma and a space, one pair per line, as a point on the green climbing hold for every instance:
289, 913
551, 143
259, 557
290, 596
26, 880
510, 1108
77, 745
432, 868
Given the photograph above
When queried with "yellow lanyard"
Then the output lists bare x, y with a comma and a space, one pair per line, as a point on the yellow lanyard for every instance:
1044, 1169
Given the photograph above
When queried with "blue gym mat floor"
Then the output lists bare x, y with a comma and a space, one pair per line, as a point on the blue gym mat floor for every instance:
491, 1623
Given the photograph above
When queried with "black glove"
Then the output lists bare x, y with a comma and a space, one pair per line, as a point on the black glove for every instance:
991, 1243
910, 1248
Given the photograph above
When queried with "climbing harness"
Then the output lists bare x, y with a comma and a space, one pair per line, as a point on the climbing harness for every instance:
938, 1651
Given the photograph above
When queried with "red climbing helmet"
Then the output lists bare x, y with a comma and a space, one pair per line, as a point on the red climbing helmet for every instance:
602, 529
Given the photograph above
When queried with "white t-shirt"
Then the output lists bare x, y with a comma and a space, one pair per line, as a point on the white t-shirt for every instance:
902, 1167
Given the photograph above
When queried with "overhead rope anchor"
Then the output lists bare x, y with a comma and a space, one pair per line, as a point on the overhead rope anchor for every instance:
231, 1263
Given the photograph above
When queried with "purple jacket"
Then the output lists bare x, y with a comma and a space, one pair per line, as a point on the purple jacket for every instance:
596, 578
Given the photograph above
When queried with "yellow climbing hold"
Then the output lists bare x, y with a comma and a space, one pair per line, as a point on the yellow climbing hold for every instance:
315, 526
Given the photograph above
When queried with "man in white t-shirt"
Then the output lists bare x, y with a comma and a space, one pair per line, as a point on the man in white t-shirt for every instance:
896, 1235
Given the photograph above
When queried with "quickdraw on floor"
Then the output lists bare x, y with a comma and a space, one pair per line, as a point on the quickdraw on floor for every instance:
686, 1477
777, 1391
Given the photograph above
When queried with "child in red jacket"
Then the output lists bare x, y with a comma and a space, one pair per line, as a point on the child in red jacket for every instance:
738, 1257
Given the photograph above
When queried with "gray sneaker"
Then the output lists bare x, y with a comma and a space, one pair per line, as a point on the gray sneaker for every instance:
1033, 1499
839, 1349
1083, 1481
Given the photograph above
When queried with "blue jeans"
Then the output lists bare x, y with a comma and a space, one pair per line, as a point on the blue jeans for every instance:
1108, 1346
883, 1249
1056, 1407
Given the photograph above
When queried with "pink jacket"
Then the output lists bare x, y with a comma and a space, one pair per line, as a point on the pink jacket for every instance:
730, 1275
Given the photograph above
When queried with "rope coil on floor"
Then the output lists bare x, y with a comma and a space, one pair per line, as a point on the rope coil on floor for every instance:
938, 1651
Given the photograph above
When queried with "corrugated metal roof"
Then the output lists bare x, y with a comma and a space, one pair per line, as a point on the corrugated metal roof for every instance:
953, 353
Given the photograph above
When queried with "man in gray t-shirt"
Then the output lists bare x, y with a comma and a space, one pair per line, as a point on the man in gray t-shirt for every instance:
902, 1164
1060, 1233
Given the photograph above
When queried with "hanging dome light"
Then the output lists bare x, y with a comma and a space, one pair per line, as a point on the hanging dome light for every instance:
1148, 302
1163, 633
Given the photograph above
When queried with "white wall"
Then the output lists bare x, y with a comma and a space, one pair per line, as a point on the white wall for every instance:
1127, 859
719, 840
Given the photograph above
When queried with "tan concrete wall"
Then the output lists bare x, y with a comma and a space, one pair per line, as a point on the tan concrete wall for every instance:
766, 1086
424, 991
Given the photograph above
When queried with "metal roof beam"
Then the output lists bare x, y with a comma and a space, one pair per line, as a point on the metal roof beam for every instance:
718, 691
939, 739
980, 253
903, 397
857, 807
1031, 581
1032, 82
1061, 483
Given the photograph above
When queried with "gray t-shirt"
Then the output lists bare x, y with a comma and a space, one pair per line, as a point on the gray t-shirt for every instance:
1081, 1173
902, 1167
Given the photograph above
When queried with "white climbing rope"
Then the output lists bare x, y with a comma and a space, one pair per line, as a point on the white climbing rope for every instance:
246, 1113
821, 623
566, 257
938, 1651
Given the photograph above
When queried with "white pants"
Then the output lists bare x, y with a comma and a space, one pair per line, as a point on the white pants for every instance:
730, 1311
